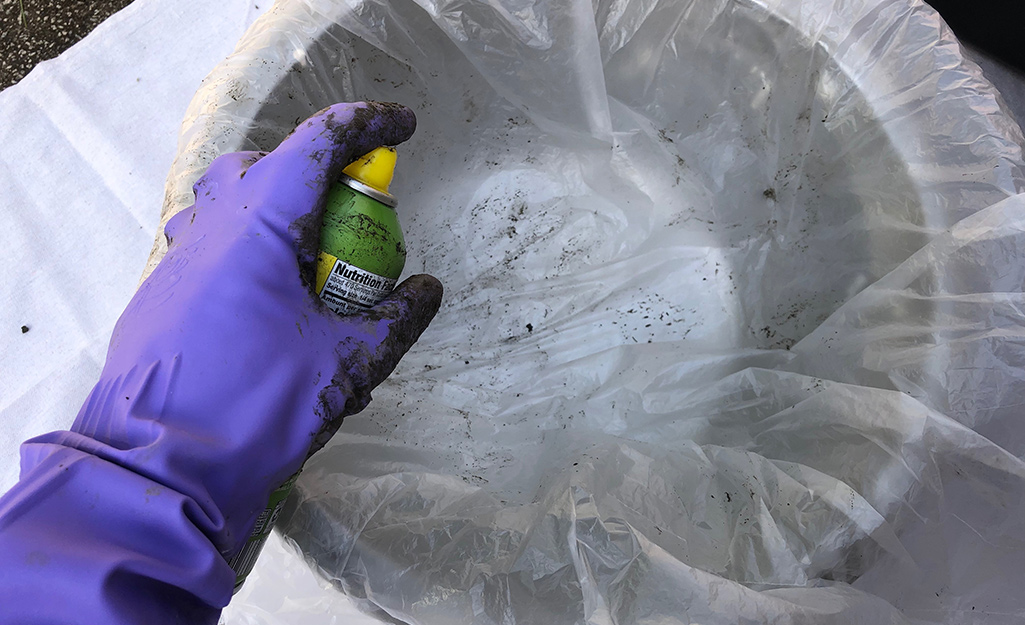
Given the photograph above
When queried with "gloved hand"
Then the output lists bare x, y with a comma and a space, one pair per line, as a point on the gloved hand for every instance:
223, 375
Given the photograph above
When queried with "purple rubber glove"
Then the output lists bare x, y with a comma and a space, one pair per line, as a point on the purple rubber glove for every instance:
223, 374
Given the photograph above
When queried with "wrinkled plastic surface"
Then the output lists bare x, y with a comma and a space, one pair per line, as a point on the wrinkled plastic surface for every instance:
733, 327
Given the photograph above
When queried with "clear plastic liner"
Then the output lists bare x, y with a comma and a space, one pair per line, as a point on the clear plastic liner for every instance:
733, 328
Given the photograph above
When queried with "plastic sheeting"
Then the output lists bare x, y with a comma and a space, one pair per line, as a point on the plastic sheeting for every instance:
733, 330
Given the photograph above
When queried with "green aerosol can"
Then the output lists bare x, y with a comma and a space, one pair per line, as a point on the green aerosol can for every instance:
362, 251
361, 256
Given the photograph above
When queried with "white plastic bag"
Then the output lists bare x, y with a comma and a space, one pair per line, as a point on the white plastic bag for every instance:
733, 326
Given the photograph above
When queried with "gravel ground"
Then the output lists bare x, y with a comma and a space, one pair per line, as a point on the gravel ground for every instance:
36, 30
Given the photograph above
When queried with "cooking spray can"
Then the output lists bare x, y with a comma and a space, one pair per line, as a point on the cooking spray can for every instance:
361, 248
361, 256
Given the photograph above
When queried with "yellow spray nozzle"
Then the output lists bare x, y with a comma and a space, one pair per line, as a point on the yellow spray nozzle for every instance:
374, 169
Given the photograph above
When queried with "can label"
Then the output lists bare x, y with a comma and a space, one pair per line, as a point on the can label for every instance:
347, 289
245, 559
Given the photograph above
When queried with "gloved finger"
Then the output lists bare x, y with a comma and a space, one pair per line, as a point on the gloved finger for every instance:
174, 226
224, 169
406, 311
386, 332
312, 158
397, 322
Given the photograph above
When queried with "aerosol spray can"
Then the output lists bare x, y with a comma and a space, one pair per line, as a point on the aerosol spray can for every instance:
361, 248
361, 256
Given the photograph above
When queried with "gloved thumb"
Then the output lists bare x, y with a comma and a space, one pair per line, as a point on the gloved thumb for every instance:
374, 343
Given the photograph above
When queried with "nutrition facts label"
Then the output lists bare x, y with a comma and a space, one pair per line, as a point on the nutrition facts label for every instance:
349, 289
